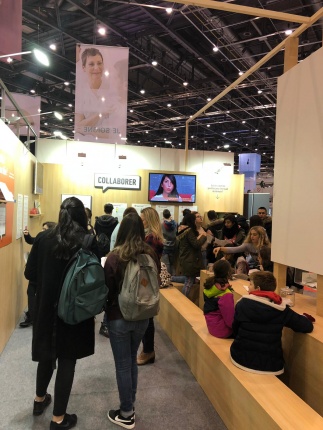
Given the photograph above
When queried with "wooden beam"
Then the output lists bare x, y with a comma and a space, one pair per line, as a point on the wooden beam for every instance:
291, 53
245, 10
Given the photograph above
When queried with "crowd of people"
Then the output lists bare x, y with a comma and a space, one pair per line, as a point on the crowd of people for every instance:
229, 246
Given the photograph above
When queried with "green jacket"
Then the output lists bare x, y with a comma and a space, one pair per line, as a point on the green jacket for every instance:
189, 252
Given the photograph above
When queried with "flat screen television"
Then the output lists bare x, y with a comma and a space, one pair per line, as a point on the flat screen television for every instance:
38, 178
171, 188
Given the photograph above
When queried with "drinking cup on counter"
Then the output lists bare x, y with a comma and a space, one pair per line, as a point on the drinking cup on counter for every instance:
288, 296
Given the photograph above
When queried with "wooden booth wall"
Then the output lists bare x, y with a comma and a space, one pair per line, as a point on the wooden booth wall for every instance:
13, 286
63, 179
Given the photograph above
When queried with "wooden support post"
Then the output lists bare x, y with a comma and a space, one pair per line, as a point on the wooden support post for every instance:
291, 53
280, 271
319, 297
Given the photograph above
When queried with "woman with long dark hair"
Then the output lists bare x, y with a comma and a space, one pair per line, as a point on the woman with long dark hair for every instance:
189, 251
125, 336
231, 231
167, 189
66, 343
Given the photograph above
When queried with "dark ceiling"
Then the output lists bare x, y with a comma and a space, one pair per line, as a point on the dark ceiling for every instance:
182, 43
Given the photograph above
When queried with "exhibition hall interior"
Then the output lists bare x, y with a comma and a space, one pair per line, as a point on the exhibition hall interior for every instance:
169, 105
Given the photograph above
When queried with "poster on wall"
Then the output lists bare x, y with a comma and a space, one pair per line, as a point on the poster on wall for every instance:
180, 211
7, 182
118, 209
19, 226
139, 207
160, 209
101, 91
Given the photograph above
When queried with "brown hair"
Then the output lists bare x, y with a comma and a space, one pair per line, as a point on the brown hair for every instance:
266, 281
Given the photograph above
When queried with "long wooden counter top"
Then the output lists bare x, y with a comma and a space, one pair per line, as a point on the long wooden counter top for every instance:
303, 353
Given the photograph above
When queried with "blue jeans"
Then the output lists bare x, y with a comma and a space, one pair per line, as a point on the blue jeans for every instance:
125, 338
189, 281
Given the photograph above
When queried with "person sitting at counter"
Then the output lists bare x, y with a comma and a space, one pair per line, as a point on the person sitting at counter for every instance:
258, 324
218, 301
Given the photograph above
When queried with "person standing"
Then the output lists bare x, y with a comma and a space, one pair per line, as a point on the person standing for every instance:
266, 219
169, 229
46, 264
189, 251
125, 336
154, 238
105, 225
31, 289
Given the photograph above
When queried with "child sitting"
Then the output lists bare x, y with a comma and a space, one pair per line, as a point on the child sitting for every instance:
258, 324
218, 301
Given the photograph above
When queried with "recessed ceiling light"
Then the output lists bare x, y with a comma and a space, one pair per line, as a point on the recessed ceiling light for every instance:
70, 105
66, 83
224, 133
240, 73
142, 91
32, 91
243, 122
169, 105
154, 63
288, 32
208, 125
52, 46
259, 91
102, 31
169, 10
266, 137
209, 99
185, 83
226, 146
215, 48
131, 110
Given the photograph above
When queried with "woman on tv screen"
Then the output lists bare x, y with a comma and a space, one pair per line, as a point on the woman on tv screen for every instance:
167, 190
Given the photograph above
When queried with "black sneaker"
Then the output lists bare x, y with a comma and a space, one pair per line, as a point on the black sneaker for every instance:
68, 422
117, 418
27, 322
104, 330
39, 407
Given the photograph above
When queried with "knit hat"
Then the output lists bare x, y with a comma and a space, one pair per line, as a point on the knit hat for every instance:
221, 269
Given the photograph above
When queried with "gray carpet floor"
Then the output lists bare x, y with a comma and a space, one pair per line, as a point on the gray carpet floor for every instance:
168, 395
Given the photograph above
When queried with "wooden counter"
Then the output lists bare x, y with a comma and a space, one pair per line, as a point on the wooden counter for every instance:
303, 353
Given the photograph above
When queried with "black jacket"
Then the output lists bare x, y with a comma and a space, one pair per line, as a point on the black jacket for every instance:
73, 341
105, 224
257, 328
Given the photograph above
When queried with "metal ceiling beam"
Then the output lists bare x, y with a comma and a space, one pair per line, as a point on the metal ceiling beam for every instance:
245, 10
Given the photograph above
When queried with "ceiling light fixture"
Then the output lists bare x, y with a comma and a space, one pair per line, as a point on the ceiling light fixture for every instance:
240, 73
58, 115
52, 46
40, 56
288, 32
142, 91
169, 10
185, 83
154, 63
215, 48
102, 31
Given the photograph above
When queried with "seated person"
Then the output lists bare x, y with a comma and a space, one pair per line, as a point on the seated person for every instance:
167, 190
258, 324
218, 301
265, 259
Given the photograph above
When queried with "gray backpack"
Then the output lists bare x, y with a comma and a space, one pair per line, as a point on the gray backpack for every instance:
139, 295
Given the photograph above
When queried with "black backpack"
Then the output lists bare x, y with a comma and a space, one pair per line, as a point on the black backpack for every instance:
103, 244
84, 292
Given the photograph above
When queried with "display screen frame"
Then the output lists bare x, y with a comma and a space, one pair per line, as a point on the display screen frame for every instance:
185, 184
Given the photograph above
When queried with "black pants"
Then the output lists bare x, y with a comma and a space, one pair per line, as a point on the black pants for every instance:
31, 294
63, 382
148, 340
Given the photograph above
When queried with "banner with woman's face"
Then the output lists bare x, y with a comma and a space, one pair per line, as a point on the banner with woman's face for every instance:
101, 91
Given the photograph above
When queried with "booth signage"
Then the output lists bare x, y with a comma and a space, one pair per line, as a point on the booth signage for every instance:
121, 182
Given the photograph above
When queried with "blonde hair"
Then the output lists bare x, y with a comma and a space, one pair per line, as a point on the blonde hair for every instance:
153, 222
263, 238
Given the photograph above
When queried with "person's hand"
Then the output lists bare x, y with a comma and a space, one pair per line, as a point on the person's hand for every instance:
26, 232
216, 250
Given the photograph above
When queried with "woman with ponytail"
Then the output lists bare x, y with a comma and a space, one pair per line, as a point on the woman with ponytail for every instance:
54, 340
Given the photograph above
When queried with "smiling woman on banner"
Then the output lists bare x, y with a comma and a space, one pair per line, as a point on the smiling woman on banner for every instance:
99, 104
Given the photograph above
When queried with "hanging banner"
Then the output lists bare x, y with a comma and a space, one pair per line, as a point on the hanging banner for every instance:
101, 93
29, 107
10, 28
